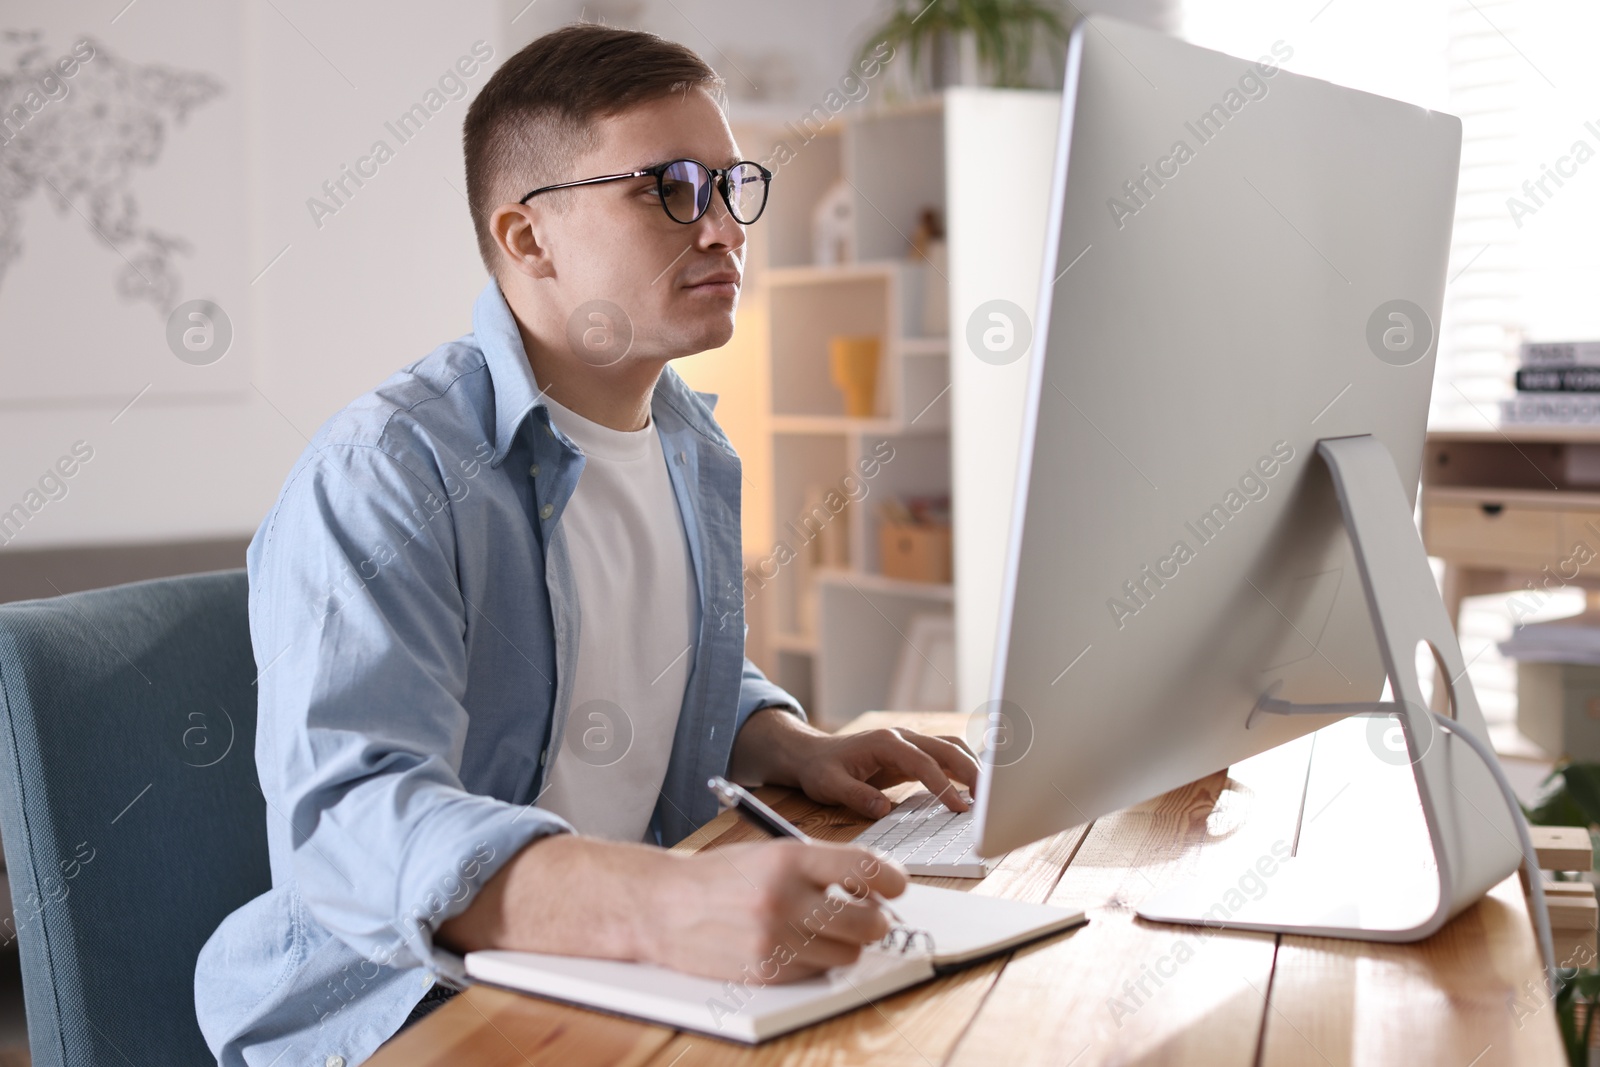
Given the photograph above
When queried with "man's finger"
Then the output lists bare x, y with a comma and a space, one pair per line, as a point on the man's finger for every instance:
909, 758
961, 743
840, 787
821, 953
955, 759
853, 921
855, 870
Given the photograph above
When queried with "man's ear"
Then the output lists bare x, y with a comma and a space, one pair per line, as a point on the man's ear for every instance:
520, 234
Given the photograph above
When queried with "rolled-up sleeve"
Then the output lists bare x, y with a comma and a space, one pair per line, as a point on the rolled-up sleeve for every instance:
359, 628
756, 691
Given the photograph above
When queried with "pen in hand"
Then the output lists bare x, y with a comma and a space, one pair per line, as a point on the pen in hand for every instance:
752, 810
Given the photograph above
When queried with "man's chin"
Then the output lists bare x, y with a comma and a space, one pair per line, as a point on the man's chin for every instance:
703, 335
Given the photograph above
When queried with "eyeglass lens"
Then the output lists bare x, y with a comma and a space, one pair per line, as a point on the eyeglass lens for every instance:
687, 188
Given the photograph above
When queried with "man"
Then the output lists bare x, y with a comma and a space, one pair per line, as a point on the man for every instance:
497, 616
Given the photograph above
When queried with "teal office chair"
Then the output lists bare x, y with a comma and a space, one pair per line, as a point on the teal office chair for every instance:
129, 808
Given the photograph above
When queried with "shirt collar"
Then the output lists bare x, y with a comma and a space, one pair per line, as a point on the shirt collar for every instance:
516, 394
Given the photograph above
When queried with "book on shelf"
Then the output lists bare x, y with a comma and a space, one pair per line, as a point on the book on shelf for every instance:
1558, 384
1564, 409
1577, 379
1560, 353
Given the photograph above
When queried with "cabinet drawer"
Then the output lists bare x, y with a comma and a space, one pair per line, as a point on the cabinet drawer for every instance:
1580, 544
1498, 535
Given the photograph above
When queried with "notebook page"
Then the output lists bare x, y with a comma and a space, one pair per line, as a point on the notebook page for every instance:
965, 926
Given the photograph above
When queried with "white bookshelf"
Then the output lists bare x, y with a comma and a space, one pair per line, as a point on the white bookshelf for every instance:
834, 624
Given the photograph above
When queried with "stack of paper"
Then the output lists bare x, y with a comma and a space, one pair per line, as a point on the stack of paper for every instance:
1571, 640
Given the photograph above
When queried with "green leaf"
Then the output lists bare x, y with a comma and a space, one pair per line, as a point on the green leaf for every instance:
1582, 783
1557, 809
1005, 33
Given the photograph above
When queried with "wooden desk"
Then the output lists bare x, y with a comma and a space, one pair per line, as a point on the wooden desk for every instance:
1236, 998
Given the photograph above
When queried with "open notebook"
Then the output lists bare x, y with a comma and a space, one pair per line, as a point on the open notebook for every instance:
944, 929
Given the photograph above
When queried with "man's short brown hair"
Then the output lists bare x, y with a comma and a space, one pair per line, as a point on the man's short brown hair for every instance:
536, 115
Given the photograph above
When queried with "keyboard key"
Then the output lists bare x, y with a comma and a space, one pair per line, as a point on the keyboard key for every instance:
927, 838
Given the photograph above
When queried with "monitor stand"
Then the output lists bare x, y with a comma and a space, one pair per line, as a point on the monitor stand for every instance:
1331, 892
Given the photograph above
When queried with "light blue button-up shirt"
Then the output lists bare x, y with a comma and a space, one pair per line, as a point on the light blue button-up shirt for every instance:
414, 622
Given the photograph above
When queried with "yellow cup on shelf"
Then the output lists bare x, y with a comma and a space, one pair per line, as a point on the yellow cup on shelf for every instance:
854, 363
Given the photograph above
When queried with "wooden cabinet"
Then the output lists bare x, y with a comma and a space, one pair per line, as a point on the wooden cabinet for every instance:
1511, 506
1492, 533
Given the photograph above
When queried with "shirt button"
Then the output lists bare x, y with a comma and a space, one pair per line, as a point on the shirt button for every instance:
533, 471
547, 511
334, 1061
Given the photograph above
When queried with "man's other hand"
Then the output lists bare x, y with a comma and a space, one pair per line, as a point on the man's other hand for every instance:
776, 748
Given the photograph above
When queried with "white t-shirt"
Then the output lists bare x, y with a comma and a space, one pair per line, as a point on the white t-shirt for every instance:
638, 611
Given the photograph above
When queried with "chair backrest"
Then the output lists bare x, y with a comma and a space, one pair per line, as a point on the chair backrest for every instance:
129, 808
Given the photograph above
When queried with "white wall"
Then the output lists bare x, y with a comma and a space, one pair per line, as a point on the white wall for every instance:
307, 88
996, 249
321, 313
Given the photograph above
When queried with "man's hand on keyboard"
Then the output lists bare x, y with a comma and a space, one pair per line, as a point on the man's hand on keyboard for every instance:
776, 748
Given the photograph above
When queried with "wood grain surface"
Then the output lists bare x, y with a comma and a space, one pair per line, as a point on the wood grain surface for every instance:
1118, 990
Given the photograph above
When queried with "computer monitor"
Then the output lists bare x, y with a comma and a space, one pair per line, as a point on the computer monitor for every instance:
1241, 263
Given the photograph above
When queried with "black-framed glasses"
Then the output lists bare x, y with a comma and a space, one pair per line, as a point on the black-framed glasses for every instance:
684, 186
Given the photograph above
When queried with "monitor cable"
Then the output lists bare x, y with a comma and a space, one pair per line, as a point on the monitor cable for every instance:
1530, 858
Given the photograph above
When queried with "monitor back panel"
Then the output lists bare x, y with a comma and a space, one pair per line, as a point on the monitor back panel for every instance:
1224, 236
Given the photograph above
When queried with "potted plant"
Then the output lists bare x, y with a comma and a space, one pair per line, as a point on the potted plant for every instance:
972, 42
1573, 799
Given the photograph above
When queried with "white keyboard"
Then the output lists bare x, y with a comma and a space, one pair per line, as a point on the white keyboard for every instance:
926, 837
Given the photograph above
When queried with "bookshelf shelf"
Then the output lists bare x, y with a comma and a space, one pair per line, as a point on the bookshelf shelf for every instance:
868, 581
844, 424
791, 642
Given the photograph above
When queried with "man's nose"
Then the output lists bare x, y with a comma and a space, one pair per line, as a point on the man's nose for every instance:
718, 227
